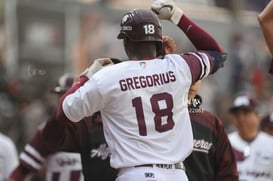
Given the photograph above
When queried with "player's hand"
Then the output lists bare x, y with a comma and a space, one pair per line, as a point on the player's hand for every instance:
169, 45
96, 66
167, 9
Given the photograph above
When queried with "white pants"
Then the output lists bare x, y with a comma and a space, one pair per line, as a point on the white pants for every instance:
151, 174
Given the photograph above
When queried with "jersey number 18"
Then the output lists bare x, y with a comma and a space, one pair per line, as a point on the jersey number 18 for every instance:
158, 113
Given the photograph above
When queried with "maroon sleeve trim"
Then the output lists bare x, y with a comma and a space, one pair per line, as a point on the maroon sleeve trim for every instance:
195, 65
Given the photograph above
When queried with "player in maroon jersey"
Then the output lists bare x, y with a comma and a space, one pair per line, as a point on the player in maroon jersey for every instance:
212, 157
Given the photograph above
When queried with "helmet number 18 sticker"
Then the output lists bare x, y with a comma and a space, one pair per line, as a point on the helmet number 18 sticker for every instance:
159, 113
149, 29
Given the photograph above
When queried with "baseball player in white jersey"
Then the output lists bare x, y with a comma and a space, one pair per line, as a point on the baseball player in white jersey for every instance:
146, 123
8, 157
253, 149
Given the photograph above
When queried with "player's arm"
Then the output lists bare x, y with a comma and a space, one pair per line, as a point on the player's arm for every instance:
203, 41
62, 138
168, 10
265, 19
67, 113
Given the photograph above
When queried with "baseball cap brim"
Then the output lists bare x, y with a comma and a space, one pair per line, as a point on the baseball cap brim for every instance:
58, 90
243, 102
244, 108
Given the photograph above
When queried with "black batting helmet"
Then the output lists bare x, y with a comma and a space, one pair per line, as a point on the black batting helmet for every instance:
140, 25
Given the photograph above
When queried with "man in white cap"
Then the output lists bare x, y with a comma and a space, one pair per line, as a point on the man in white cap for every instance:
252, 148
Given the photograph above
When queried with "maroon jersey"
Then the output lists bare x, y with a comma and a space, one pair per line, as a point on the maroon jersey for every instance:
212, 158
45, 163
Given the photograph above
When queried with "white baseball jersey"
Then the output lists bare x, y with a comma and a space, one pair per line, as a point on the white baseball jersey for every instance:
143, 106
64, 166
254, 159
8, 157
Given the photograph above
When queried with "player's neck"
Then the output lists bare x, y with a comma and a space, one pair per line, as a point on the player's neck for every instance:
140, 50
142, 56
249, 136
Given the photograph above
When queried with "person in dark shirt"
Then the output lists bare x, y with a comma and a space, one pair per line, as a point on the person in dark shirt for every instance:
212, 158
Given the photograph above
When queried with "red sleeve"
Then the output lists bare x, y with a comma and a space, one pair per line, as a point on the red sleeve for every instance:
38, 145
199, 37
60, 116
71, 139
54, 133
59, 137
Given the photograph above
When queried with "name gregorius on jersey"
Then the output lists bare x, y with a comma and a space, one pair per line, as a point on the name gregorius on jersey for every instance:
139, 82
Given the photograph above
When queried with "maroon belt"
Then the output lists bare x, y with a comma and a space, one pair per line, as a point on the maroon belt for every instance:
166, 166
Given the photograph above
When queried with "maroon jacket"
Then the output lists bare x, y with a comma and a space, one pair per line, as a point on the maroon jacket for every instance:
212, 158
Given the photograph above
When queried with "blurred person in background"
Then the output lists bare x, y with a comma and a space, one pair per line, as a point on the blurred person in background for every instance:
38, 161
8, 156
266, 123
8, 149
252, 148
